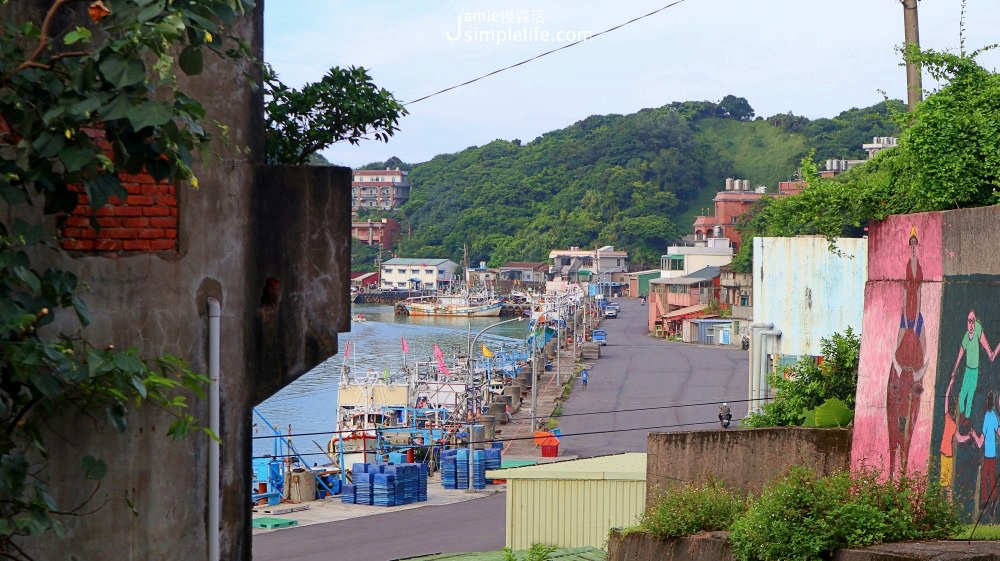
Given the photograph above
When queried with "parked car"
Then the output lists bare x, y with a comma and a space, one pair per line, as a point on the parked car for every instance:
610, 313
600, 336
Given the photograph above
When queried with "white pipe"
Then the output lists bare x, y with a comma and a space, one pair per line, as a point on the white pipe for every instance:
764, 389
214, 487
753, 382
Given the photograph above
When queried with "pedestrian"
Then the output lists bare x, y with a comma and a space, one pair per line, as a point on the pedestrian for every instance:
584, 374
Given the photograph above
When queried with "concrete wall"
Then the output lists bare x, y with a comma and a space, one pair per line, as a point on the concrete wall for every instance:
272, 245
741, 458
807, 291
921, 375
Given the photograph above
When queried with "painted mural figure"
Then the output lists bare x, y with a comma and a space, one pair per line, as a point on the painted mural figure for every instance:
908, 365
949, 437
988, 442
973, 339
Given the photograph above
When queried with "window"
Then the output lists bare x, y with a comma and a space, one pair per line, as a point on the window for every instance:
676, 263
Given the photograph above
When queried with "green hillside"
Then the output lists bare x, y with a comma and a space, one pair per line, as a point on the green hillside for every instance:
633, 181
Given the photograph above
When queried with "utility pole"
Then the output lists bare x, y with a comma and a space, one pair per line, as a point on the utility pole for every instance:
911, 35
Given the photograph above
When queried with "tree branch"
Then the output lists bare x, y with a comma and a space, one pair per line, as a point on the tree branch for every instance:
43, 40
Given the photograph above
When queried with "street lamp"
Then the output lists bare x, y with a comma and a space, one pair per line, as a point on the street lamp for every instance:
472, 375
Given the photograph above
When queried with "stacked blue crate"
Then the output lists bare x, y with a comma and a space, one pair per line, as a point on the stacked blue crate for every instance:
363, 488
347, 494
384, 489
422, 471
409, 475
462, 468
479, 470
493, 460
448, 470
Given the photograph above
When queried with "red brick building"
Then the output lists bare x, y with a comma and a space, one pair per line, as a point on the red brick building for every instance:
376, 232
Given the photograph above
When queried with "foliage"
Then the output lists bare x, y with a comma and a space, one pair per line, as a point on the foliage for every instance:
691, 508
633, 181
946, 158
82, 102
344, 105
538, 552
805, 386
363, 257
805, 517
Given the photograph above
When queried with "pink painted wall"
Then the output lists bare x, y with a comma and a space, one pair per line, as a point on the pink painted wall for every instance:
893, 419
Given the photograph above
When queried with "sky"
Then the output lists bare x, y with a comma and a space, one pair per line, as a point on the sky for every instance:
811, 58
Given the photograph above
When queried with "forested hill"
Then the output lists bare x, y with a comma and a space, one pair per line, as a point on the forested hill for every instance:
633, 181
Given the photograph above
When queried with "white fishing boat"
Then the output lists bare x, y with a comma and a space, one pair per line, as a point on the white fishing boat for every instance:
377, 411
452, 306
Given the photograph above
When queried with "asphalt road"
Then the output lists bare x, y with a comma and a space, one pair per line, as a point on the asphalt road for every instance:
639, 385
642, 384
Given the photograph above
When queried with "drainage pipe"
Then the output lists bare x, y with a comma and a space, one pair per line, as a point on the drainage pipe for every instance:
763, 389
755, 357
214, 490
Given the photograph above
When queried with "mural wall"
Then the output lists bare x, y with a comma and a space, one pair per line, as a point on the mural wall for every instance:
928, 380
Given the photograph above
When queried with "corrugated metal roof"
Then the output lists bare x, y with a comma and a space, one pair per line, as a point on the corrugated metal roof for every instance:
685, 311
564, 554
415, 261
630, 466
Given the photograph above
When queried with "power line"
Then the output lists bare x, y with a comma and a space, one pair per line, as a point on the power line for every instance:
463, 422
517, 438
546, 53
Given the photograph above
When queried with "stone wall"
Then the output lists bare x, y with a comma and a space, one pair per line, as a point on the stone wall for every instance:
742, 458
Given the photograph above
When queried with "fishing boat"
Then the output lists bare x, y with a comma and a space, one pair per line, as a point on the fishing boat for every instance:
452, 306
358, 317
380, 412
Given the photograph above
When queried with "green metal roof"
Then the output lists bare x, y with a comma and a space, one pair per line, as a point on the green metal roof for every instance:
565, 554
630, 466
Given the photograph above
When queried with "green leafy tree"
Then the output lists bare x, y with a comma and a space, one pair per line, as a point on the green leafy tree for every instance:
947, 157
806, 385
82, 101
344, 105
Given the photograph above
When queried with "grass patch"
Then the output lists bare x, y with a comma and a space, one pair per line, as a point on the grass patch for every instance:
981, 532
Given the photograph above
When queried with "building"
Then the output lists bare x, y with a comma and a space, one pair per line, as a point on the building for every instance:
603, 267
681, 261
386, 189
672, 300
401, 273
381, 233
573, 503
524, 272
638, 282
364, 281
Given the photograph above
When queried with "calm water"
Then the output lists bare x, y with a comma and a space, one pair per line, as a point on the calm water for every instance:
307, 408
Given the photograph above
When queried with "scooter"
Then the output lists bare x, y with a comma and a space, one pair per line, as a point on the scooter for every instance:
746, 343
642, 301
725, 416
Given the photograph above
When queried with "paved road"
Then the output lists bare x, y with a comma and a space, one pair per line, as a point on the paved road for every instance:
475, 525
637, 386
643, 384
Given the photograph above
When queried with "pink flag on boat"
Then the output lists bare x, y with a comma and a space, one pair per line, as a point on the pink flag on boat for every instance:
442, 368
347, 350
438, 354
406, 348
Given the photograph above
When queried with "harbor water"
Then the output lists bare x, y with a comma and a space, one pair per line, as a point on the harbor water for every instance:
307, 408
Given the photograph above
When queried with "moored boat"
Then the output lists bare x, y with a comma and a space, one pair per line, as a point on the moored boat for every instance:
452, 306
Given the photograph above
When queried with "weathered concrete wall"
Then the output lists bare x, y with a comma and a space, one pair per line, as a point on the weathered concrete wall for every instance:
741, 458
928, 380
807, 291
244, 226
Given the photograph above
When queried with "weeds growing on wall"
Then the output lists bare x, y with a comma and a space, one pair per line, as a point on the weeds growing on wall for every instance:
804, 516
692, 508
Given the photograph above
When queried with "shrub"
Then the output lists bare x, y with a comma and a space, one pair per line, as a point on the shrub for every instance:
692, 508
804, 517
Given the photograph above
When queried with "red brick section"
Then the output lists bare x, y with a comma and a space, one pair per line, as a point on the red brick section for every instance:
145, 222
